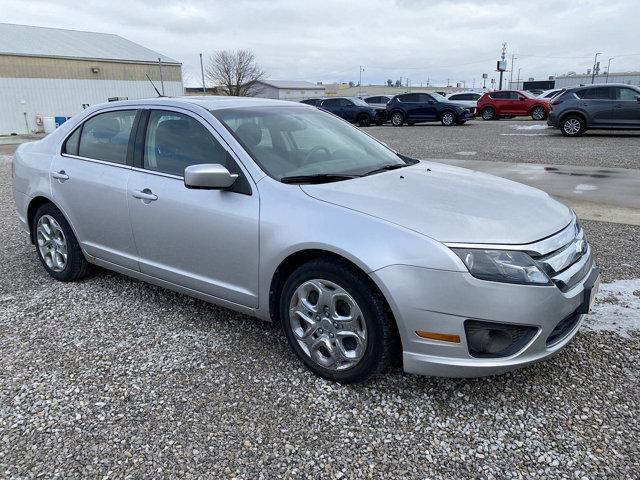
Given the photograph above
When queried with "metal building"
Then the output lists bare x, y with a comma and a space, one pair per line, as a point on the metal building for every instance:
49, 72
289, 90
630, 78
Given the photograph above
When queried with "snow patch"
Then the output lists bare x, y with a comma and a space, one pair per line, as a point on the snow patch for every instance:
469, 154
584, 187
524, 134
617, 308
530, 127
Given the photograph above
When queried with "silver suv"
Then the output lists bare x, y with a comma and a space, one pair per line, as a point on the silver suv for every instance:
607, 107
288, 213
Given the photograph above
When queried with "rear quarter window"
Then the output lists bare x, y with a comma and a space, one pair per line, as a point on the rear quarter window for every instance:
70, 146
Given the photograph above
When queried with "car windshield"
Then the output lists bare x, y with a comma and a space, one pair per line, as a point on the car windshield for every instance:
438, 98
359, 101
291, 141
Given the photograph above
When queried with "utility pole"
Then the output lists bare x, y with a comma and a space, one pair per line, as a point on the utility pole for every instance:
360, 81
204, 88
593, 72
608, 69
518, 80
161, 80
513, 57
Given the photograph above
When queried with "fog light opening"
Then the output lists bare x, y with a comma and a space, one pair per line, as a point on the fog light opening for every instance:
493, 340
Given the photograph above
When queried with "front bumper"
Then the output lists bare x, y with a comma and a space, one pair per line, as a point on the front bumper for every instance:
441, 301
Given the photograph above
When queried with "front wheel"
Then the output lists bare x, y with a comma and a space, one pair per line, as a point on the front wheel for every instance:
538, 113
397, 119
56, 245
488, 113
573, 126
336, 322
364, 120
448, 119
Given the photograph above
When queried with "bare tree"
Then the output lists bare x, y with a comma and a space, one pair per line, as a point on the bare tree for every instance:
235, 72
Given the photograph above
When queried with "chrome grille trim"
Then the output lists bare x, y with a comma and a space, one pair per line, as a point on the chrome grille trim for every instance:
576, 272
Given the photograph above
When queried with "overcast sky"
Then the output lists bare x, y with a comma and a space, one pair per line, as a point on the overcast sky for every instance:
328, 40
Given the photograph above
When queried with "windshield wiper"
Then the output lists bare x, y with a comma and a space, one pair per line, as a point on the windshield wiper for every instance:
317, 178
393, 166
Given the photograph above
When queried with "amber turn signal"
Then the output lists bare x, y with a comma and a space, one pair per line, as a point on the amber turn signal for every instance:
443, 337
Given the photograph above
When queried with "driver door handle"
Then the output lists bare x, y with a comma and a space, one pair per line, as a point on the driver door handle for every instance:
145, 194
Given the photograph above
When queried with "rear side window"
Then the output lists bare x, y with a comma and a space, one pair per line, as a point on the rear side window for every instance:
330, 103
106, 136
373, 100
594, 93
501, 95
174, 141
72, 142
409, 97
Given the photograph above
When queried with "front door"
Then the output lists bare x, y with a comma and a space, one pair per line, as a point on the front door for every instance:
428, 107
89, 182
626, 107
205, 240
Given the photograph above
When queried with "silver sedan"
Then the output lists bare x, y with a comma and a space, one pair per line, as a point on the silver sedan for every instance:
285, 212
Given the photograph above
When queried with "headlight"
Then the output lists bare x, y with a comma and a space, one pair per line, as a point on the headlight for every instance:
502, 266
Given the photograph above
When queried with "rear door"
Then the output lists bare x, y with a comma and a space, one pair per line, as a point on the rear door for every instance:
501, 102
411, 105
598, 103
204, 240
89, 183
626, 107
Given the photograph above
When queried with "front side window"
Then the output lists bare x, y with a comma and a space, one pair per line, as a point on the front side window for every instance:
409, 97
292, 141
106, 136
175, 141
594, 93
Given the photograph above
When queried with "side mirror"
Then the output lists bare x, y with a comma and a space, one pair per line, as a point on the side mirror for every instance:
431, 102
208, 176
522, 99
638, 98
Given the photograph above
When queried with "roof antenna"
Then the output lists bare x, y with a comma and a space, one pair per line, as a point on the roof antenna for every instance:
154, 86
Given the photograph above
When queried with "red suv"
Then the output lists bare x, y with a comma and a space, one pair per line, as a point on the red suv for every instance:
512, 103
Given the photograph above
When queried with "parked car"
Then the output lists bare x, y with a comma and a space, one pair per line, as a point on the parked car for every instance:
355, 110
282, 211
549, 94
467, 99
312, 101
378, 100
610, 106
413, 108
512, 103
535, 91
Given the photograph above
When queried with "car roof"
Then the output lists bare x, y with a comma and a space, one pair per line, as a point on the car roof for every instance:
591, 85
211, 102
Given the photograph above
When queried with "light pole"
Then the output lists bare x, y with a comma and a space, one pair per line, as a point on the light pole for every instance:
593, 72
360, 81
608, 69
513, 57
204, 88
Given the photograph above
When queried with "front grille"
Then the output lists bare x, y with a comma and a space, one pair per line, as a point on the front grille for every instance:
563, 328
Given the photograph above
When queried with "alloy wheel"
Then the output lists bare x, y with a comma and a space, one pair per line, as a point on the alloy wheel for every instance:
328, 324
448, 119
396, 119
572, 126
52, 243
487, 114
538, 113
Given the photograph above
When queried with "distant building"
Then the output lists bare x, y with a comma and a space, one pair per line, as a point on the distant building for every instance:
49, 72
289, 90
630, 78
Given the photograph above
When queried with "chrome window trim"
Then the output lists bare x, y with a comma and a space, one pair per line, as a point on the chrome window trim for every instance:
541, 247
159, 174
95, 160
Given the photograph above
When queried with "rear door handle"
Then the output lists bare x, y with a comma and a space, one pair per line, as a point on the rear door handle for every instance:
145, 194
61, 175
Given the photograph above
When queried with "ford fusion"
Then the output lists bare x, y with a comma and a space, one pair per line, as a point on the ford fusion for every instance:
290, 214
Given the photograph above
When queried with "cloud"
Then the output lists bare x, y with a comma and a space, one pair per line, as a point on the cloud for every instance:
327, 40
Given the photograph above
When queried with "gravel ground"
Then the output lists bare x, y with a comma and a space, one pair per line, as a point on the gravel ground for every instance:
513, 141
113, 378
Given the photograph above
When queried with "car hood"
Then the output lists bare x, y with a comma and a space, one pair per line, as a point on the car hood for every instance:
464, 103
450, 204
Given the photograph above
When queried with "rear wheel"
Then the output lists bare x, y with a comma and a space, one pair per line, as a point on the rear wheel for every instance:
573, 126
56, 245
364, 120
397, 119
488, 113
538, 113
448, 119
336, 322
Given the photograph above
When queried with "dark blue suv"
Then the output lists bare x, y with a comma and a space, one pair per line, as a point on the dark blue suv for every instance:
413, 108
355, 110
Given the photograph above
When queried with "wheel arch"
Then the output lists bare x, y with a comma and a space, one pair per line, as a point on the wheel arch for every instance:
577, 113
34, 205
445, 110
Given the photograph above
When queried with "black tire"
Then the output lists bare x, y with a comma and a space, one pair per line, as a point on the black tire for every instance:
488, 113
364, 120
573, 126
538, 113
461, 122
76, 266
448, 118
381, 334
411, 124
397, 119
379, 123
